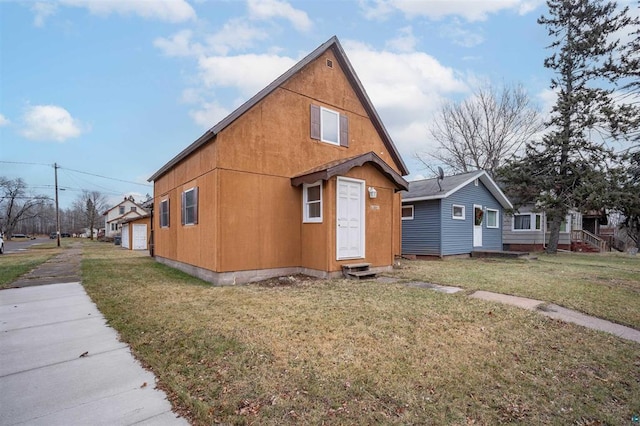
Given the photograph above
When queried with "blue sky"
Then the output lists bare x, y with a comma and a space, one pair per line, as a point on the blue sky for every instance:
118, 88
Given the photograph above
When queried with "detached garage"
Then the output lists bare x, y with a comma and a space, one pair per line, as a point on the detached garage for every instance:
136, 233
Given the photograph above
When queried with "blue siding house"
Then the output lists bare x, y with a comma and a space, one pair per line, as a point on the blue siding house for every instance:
453, 216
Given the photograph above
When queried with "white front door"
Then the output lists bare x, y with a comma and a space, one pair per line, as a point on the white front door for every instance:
478, 219
124, 241
140, 236
350, 218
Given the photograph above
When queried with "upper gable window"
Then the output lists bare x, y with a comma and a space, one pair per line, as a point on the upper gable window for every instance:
329, 126
134, 209
121, 209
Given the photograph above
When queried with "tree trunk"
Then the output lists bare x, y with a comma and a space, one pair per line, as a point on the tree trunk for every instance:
554, 234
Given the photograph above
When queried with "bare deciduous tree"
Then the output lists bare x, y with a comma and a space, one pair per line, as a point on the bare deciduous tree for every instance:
17, 204
91, 203
482, 131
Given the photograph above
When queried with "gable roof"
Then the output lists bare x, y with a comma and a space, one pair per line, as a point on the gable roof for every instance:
340, 167
126, 199
428, 189
350, 73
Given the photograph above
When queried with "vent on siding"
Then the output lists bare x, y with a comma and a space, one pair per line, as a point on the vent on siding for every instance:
329, 63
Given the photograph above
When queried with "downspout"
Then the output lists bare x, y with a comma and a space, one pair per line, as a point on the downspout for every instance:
543, 218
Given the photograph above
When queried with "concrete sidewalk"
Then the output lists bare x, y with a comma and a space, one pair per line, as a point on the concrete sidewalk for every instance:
60, 364
562, 314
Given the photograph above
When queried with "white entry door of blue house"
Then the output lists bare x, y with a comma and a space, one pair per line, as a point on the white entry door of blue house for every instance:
478, 218
350, 218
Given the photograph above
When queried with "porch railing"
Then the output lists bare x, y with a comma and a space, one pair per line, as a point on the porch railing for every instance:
580, 235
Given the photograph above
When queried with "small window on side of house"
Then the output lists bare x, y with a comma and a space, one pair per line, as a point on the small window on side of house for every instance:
407, 212
492, 218
164, 213
190, 206
538, 222
121, 209
133, 208
457, 212
312, 202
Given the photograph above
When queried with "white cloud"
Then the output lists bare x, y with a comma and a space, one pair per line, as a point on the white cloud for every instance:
50, 122
267, 9
404, 42
470, 10
163, 10
179, 44
406, 89
547, 99
4, 121
458, 34
209, 114
247, 73
236, 34
42, 11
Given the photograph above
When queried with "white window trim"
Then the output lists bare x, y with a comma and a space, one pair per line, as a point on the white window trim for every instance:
497, 218
166, 200
532, 222
412, 211
184, 207
305, 203
464, 212
337, 114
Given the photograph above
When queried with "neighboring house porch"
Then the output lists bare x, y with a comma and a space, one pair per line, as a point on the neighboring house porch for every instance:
528, 230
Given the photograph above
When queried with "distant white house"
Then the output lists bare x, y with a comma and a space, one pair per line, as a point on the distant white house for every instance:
86, 233
126, 209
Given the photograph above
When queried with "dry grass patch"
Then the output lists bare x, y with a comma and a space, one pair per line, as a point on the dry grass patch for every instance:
348, 352
606, 285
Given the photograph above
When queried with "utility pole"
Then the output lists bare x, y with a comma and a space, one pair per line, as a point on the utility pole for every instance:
55, 168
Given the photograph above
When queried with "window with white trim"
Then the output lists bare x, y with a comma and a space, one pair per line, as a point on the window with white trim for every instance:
312, 202
329, 126
457, 212
527, 222
121, 209
190, 206
407, 212
164, 213
492, 218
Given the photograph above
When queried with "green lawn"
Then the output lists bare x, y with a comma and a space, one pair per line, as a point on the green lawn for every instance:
348, 352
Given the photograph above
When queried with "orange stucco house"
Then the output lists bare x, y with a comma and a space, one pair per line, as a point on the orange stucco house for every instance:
302, 178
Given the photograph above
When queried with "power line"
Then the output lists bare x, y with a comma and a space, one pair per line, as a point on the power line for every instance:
106, 177
78, 171
23, 162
